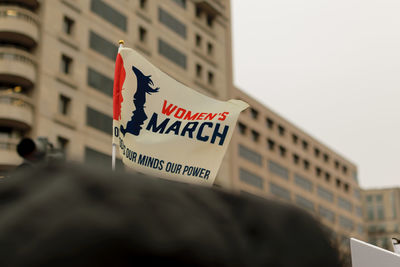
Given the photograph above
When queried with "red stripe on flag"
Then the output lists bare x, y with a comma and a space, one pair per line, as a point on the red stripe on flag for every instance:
119, 78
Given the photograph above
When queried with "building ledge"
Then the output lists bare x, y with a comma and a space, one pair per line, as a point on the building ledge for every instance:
65, 121
206, 57
209, 89
66, 80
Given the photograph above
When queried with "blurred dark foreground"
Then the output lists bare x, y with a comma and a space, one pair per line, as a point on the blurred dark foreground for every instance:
73, 216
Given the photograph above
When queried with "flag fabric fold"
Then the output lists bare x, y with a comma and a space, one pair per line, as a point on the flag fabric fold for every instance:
119, 78
166, 129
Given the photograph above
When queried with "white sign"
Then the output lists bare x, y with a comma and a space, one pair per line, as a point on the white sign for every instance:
165, 129
367, 255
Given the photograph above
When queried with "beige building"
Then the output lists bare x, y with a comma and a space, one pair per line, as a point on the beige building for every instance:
382, 215
57, 64
56, 79
56, 74
273, 158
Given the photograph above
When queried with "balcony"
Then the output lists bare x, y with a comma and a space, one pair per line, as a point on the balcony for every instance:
17, 67
31, 4
16, 111
19, 26
211, 7
8, 153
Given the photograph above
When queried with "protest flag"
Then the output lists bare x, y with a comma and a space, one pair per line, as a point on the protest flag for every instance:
163, 128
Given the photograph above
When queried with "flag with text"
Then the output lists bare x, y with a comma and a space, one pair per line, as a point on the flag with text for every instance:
166, 129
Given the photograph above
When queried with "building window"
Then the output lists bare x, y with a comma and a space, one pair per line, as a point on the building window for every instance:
181, 3
393, 204
172, 23
210, 20
295, 138
250, 178
109, 14
100, 82
281, 130
303, 182
103, 46
370, 213
271, 144
336, 164
253, 113
380, 212
346, 223
198, 40
199, 71
282, 151
250, 155
99, 120
255, 135
279, 191
378, 198
345, 204
326, 158
316, 152
359, 212
304, 203
346, 187
305, 145
306, 164
338, 182
318, 171
142, 34
279, 170
62, 143
327, 177
66, 64
210, 49
68, 25
210, 78
198, 12
325, 194
64, 103
296, 159
172, 53
270, 123
326, 213
344, 169
143, 4
357, 194
242, 128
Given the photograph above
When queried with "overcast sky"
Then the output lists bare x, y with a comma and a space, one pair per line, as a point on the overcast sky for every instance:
331, 67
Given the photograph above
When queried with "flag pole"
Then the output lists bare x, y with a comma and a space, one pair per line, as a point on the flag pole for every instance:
114, 146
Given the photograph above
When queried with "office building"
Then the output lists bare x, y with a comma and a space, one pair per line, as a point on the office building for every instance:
56, 79
273, 158
57, 65
382, 216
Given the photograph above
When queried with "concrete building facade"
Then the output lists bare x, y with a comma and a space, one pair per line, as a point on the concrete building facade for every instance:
382, 215
273, 158
56, 79
57, 64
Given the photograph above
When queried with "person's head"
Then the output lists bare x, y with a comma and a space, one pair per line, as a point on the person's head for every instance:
72, 216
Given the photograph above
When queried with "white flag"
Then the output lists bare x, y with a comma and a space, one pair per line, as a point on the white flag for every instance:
165, 129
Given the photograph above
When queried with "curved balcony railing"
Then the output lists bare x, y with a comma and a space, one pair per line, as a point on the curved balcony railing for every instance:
19, 26
17, 67
16, 110
8, 152
30, 4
